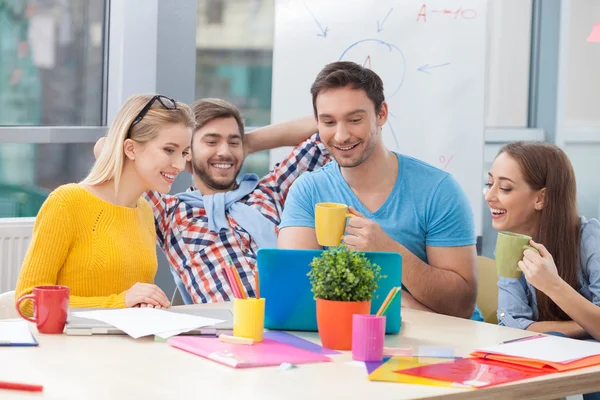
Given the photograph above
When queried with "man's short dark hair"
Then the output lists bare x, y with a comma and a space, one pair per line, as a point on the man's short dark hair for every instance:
346, 73
206, 110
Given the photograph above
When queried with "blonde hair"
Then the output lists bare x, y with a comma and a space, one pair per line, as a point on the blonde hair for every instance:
109, 165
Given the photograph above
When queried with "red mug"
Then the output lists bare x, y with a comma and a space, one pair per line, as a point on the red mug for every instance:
50, 308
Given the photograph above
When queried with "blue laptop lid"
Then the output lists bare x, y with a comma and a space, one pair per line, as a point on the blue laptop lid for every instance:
289, 302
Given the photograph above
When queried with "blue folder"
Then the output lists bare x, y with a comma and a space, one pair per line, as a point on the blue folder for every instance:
289, 301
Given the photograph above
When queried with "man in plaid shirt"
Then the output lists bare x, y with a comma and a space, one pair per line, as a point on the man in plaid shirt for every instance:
219, 219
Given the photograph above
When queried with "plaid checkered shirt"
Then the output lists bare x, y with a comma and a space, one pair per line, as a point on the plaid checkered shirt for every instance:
198, 255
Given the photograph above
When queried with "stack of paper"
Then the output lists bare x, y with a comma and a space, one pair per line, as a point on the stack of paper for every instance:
138, 322
15, 332
551, 353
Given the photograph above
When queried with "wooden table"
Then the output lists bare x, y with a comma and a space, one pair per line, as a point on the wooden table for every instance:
118, 367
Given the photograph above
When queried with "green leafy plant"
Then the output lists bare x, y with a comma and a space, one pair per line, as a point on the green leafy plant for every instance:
342, 274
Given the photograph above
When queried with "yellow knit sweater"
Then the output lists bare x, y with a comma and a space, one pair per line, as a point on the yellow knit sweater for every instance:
97, 249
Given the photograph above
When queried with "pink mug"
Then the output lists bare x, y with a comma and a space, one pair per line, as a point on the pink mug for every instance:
50, 308
368, 335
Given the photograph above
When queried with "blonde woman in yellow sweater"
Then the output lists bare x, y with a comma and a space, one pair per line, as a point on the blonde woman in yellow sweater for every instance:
97, 237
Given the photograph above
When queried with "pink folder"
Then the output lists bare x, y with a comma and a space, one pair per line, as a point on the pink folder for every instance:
262, 354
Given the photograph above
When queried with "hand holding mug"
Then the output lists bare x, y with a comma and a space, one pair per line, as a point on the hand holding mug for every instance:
539, 269
364, 234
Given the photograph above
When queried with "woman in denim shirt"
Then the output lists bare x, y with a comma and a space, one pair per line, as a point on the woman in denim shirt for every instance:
532, 191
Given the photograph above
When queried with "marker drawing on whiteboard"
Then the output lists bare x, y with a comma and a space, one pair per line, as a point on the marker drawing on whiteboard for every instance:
380, 25
464, 14
459, 13
445, 162
367, 63
425, 68
393, 134
422, 13
323, 31
364, 51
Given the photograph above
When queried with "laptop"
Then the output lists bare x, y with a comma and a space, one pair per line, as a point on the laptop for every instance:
289, 302
87, 327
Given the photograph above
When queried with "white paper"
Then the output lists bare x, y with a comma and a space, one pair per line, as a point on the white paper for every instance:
15, 332
138, 322
547, 348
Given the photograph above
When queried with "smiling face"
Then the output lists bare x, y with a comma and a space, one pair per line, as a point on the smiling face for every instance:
161, 159
217, 155
348, 124
514, 205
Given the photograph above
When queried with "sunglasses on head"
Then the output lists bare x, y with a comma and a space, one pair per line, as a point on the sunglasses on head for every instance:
166, 102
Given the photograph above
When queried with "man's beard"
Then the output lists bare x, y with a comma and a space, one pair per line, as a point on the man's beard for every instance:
201, 173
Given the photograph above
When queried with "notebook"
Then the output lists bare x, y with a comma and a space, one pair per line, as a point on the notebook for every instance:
290, 304
551, 353
262, 354
15, 332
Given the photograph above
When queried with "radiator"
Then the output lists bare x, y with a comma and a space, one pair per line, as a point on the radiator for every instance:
15, 235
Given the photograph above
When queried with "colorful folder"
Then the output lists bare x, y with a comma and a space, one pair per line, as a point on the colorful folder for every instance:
262, 354
476, 373
392, 371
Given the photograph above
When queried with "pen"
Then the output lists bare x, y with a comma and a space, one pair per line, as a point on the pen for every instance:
21, 386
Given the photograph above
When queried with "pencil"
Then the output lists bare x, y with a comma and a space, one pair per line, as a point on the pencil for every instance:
256, 284
391, 301
237, 278
232, 282
385, 302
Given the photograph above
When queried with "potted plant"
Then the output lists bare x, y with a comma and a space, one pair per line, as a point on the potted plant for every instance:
343, 283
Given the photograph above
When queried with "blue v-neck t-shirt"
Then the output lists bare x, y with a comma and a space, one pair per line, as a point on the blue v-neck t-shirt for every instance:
426, 207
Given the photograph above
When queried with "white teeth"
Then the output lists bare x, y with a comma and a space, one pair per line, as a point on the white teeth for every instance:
168, 176
347, 148
222, 166
497, 211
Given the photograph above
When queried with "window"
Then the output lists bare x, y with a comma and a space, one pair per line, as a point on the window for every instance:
51, 74
234, 61
52, 56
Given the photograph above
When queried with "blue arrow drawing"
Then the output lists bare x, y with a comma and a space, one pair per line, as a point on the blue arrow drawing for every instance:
323, 31
425, 68
380, 25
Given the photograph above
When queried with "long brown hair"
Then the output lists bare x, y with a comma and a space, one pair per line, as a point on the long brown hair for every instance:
546, 166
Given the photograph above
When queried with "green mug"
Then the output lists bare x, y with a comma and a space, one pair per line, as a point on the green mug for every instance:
509, 251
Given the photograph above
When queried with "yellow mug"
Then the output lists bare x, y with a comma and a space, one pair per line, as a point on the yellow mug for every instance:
249, 318
330, 223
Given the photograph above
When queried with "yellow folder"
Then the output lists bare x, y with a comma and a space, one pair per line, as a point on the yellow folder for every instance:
386, 372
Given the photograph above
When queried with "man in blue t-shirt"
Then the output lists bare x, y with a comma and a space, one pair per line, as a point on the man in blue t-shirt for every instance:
400, 204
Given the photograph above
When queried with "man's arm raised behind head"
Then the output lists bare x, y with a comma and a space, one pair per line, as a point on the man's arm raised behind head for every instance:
288, 133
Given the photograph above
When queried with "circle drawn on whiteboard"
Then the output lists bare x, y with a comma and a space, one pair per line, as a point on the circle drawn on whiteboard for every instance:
384, 58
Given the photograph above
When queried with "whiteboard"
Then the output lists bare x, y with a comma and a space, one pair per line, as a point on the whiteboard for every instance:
431, 57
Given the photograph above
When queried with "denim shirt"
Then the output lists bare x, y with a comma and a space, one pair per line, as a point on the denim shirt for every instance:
517, 303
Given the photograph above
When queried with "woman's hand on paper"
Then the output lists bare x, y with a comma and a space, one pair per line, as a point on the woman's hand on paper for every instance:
144, 305
146, 293
539, 269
